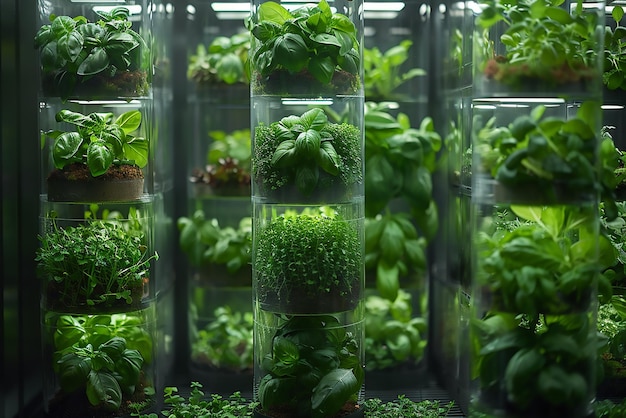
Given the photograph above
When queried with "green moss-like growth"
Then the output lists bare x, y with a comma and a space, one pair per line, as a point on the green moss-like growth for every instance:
307, 156
308, 263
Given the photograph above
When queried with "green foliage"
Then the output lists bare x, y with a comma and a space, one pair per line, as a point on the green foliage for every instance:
548, 154
73, 50
311, 254
609, 409
313, 368
614, 76
382, 71
224, 61
205, 242
311, 38
226, 342
106, 372
198, 405
542, 39
307, 153
100, 140
93, 263
235, 145
404, 407
393, 249
400, 161
392, 335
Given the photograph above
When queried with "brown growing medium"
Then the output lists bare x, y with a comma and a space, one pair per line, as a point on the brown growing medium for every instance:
303, 82
80, 172
499, 69
346, 410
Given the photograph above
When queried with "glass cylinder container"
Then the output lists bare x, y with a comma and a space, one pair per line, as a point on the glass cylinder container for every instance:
307, 110
99, 365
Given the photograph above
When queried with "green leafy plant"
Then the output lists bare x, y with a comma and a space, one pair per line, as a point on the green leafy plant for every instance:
106, 372
614, 75
226, 342
393, 249
197, 404
533, 349
205, 242
306, 153
553, 157
96, 263
313, 368
307, 261
224, 61
542, 41
382, 71
311, 43
404, 407
229, 162
100, 141
77, 54
400, 161
609, 409
392, 335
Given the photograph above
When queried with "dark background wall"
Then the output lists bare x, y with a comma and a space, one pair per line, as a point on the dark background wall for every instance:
20, 168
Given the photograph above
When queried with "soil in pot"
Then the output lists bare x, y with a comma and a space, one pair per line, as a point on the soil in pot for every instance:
99, 86
282, 82
74, 183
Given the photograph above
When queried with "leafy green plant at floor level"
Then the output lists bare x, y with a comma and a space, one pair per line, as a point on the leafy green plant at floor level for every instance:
392, 335
308, 256
542, 41
205, 242
74, 50
310, 38
400, 162
224, 61
313, 368
106, 372
610, 409
100, 140
226, 342
393, 250
382, 71
306, 152
93, 263
614, 75
199, 405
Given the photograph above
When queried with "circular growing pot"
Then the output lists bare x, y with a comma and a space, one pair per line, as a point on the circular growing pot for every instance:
74, 183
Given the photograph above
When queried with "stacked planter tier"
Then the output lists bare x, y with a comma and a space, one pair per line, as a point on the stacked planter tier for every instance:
216, 236
97, 224
308, 212
536, 243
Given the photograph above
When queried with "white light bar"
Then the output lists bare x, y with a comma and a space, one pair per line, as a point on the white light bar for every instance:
133, 9
391, 6
230, 7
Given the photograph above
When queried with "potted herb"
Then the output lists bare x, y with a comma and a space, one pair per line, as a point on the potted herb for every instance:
101, 160
98, 60
221, 64
307, 158
308, 263
535, 348
395, 341
227, 172
95, 266
312, 368
539, 158
383, 72
308, 50
101, 363
538, 45
614, 45
221, 254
